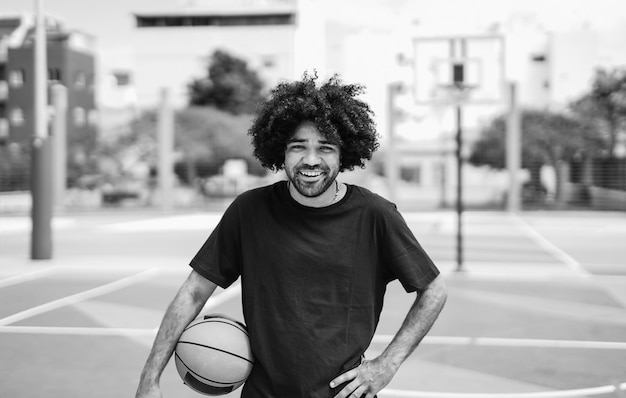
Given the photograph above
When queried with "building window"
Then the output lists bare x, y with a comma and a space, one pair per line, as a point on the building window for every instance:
79, 116
539, 57
122, 78
17, 78
17, 117
215, 20
54, 74
412, 174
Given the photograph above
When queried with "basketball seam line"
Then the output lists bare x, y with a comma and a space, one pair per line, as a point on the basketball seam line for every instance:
217, 349
238, 326
206, 378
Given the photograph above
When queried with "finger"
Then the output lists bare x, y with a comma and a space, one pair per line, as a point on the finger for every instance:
339, 380
349, 390
358, 392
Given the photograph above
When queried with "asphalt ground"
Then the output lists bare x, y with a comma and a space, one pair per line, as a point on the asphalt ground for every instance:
538, 309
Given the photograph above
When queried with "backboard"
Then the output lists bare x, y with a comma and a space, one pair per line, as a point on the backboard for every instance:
458, 68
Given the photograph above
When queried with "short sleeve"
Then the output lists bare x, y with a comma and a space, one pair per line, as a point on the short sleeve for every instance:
402, 254
219, 258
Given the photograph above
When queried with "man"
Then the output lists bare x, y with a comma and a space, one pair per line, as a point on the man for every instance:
314, 256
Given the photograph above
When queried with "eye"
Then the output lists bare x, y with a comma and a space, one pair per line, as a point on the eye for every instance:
295, 147
327, 149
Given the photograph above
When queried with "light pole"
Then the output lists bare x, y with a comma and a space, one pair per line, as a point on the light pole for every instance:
41, 156
459, 186
513, 150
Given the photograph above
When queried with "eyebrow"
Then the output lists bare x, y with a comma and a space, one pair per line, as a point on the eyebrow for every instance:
293, 140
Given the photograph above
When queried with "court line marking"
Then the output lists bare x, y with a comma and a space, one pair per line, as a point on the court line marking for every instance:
82, 296
233, 291
582, 392
608, 389
186, 222
26, 277
551, 247
214, 301
511, 342
378, 339
78, 331
555, 308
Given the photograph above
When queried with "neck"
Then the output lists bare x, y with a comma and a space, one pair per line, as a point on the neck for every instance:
330, 196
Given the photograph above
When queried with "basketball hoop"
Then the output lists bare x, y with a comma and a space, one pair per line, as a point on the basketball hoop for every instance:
453, 94
458, 69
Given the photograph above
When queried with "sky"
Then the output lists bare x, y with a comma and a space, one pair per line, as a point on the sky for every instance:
111, 21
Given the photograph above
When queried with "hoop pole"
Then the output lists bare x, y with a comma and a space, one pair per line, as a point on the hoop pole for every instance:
459, 187
513, 151
41, 155
393, 89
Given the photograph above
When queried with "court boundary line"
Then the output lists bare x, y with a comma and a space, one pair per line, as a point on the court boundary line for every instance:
511, 342
550, 247
78, 297
231, 292
212, 302
378, 339
79, 331
26, 277
581, 392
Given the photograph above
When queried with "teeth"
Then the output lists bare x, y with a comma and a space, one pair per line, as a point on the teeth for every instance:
311, 173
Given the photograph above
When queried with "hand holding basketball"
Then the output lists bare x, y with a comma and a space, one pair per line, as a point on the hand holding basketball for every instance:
213, 355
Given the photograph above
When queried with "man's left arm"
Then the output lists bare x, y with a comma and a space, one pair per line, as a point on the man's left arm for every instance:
372, 376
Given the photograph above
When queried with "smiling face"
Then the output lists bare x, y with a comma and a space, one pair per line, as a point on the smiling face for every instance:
312, 164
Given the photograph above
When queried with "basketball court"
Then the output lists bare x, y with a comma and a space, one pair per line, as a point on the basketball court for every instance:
538, 311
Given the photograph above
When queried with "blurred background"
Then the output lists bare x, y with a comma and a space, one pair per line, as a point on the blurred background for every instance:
122, 142
153, 99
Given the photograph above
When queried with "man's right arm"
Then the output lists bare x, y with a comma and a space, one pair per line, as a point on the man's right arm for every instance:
189, 300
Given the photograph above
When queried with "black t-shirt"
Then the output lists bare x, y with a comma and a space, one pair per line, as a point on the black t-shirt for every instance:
313, 281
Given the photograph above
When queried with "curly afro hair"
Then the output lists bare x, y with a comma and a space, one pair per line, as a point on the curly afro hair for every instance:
332, 107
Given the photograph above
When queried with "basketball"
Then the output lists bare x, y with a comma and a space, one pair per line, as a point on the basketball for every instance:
213, 355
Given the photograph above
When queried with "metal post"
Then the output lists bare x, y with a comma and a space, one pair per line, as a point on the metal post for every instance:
41, 184
513, 150
392, 163
165, 151
459, 187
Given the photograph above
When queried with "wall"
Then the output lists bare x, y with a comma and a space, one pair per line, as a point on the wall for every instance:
173, 56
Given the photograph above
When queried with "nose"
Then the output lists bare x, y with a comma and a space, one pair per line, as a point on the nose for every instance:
311, 158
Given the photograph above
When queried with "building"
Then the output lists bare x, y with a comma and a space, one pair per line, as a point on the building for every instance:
70, 62
172, 47
551, 65
10, 27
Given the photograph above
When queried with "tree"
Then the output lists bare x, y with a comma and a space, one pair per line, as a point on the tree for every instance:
207, 137
204, 136
229, 85
605, 106
547, 138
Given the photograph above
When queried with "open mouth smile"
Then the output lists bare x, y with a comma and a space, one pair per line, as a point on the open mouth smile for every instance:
311, 173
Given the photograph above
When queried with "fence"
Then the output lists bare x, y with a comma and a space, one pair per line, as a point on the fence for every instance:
599, 183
